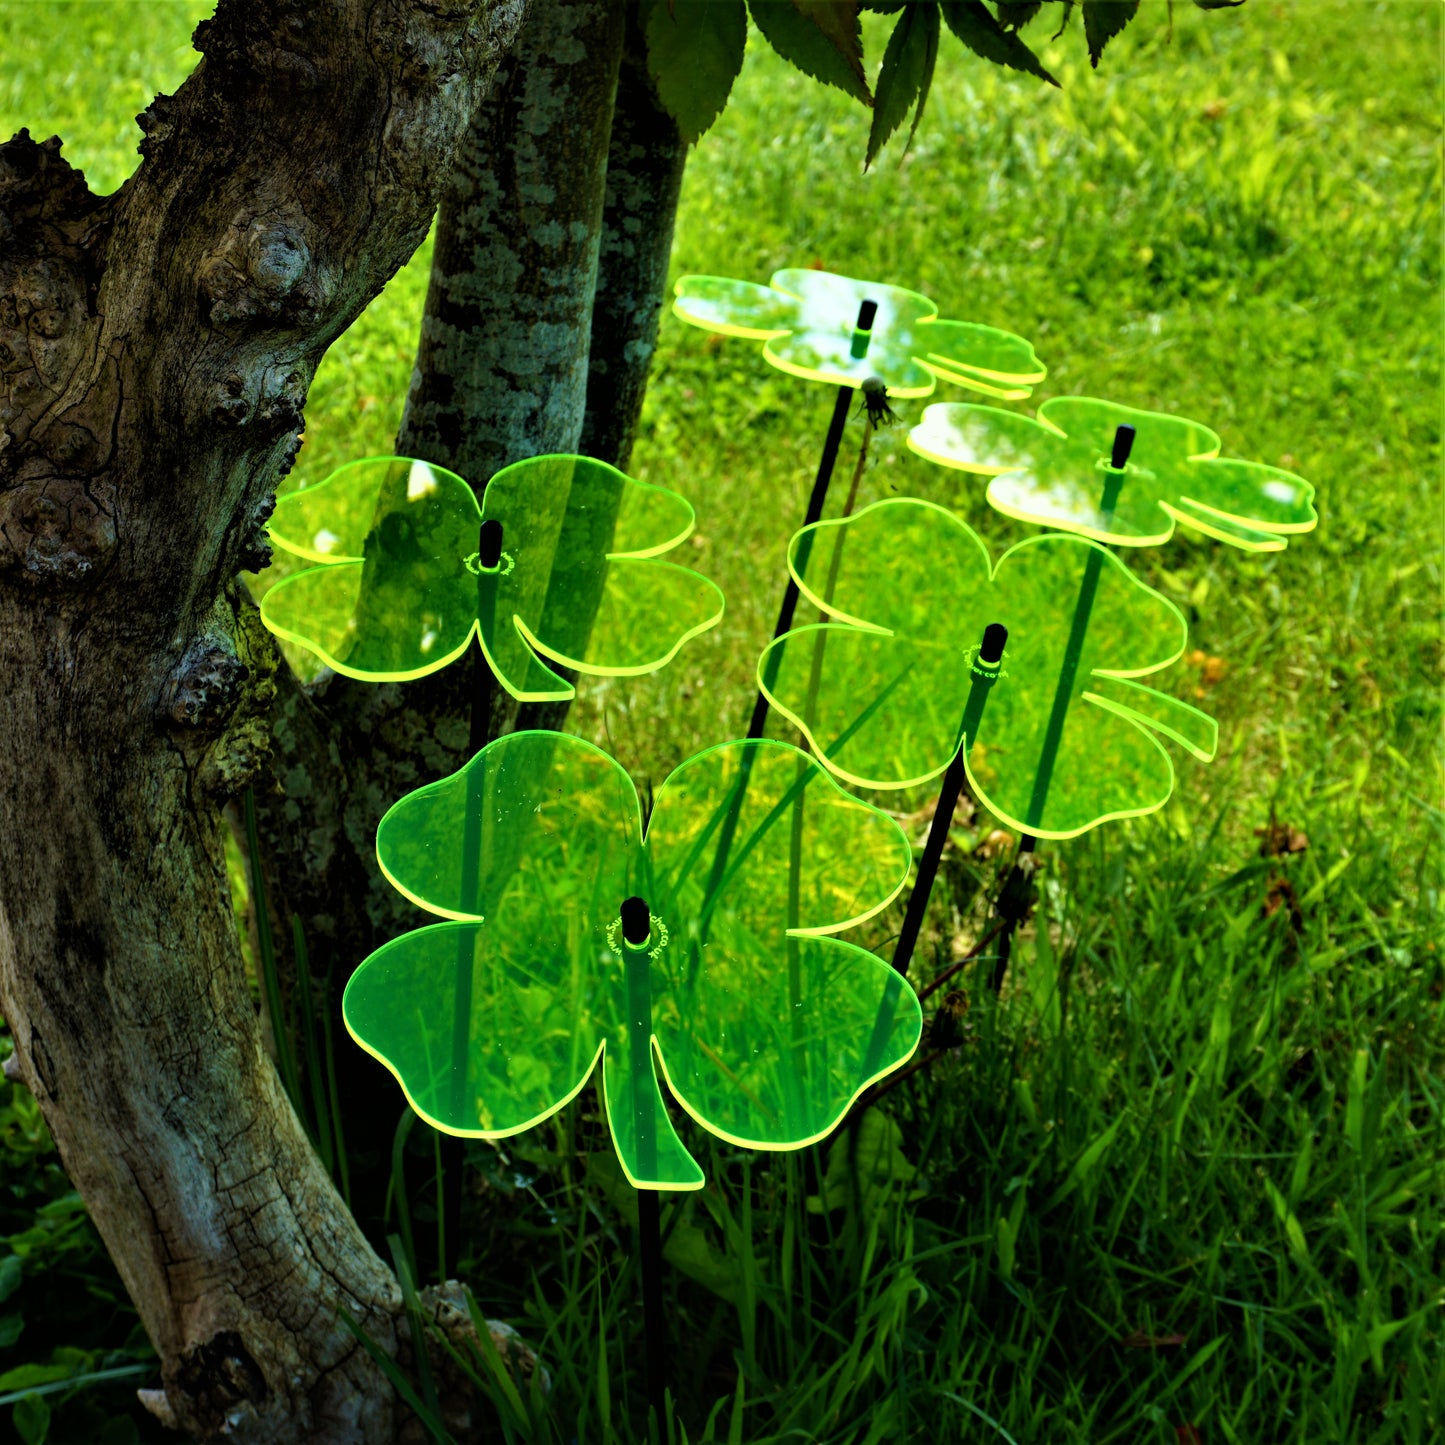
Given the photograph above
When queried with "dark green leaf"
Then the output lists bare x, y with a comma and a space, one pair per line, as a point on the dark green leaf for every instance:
11, 1324
930, 59
27, 1377
399, 1382
1015, 14
687, 1249
865, 1165
1218, 4
972, 23
823, 40
61, 1377
1103, 20
32, 1420
694, 54
900, 78
9, 1276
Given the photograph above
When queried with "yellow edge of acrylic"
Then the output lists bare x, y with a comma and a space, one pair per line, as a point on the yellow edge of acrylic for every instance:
658, 548
648, 553
886, 785
1291, 529
831, 609
1054, 835
945, 460
324, 559
1267, 543
1208, 454
567, 693
988, 373
637, 670
932, 306
725, 328
1143, 720
424, 903
1114, 539
468, 1133
780, 1148
825, 930
976, 383
814, 759
895, 393
336, 665
654, 1053
331, 558
1118, 672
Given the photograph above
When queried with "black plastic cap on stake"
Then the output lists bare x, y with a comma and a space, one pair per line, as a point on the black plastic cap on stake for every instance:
1123, 445
991, 648
636, 921
862, 332
489, 543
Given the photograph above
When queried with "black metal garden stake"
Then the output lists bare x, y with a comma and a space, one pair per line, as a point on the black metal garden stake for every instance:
834, 439
636, 935
985, 671
451, 1150
1016, 895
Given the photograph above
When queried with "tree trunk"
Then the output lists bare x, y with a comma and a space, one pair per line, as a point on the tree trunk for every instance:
501, 370
502, 373
645, 161
155, 352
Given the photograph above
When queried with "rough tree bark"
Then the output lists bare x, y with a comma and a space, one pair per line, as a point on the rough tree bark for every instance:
502, 373
537, 366
501, 370
645, 160
155, 352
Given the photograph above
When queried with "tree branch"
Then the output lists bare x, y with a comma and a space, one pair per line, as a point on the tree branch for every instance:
155, 352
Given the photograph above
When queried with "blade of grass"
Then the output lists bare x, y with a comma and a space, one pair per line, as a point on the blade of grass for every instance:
321, 1131
270, 978
430, 1421
417, 1318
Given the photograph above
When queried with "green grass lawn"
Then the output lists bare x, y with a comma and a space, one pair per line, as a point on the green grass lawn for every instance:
1190, 1169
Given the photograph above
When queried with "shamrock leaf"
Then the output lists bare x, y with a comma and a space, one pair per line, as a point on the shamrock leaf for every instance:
880, 691
1053, 471
765, 1029
571, 580
807, 320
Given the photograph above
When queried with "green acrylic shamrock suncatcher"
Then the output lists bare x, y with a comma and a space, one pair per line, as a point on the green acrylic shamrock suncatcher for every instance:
557, 566
807, 320
765, 1029
1053, 472
879, 691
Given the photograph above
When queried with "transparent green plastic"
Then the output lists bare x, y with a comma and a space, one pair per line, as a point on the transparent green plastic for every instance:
765, 1029
879, 689
400, 590
807, 318
1052, 472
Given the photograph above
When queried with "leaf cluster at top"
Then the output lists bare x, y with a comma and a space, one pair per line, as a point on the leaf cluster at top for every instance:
695, 48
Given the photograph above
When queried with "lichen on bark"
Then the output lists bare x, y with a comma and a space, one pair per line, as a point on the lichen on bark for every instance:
501, 368
156, 347
645, 160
